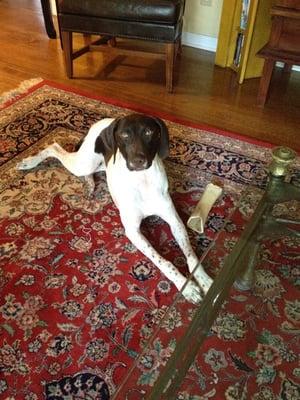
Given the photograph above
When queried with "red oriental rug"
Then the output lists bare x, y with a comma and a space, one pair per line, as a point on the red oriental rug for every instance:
79, 303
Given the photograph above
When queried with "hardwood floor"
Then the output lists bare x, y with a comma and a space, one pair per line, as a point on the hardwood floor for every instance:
203, 92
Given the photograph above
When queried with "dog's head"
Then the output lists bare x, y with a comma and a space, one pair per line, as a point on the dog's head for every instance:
138, 137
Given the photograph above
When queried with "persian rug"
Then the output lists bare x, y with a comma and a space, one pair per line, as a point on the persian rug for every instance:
78, 302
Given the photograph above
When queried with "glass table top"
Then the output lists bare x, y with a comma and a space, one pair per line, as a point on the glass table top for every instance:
175, 338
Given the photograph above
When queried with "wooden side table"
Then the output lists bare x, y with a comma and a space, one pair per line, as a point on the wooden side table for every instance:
283, 44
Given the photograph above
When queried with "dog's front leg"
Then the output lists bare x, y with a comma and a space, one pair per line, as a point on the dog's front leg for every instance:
191, 292
170, 215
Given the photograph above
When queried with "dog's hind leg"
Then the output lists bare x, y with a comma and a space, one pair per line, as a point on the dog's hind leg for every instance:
54, 150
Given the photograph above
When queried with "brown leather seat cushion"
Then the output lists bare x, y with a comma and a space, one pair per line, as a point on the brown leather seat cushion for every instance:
154, 11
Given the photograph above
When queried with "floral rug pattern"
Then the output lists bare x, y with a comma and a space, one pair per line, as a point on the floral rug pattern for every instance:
78, 302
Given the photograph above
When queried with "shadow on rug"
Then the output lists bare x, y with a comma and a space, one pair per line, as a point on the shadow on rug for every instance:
79, 303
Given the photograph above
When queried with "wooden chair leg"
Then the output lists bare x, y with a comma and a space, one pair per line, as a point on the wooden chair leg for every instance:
170, 58
265, 82
178, 48
47, 14
68, 52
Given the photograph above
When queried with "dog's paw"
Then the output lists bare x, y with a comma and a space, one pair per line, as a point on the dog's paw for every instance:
192, 293
27, 163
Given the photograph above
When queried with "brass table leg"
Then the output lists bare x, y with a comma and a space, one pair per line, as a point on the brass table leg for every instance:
278, 190
246, 280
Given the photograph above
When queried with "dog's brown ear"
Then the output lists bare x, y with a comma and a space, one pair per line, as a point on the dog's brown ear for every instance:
106, 141
163, 150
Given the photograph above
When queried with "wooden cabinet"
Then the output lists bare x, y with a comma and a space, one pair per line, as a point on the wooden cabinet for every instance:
244, 29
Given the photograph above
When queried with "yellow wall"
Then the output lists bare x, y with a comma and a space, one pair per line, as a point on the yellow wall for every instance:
201, 19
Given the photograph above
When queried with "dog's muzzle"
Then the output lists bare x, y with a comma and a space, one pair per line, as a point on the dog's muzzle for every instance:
138, 163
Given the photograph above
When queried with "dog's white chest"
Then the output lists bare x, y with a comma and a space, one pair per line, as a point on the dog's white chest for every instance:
137, 191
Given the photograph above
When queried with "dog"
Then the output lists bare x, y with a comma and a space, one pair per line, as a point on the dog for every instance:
131, 150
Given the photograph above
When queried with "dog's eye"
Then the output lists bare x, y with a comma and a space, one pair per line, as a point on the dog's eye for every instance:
148, 132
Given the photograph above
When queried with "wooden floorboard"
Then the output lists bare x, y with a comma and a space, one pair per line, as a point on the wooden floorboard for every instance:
203, 93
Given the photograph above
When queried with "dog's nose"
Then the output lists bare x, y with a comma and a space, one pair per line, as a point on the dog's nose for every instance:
138, 162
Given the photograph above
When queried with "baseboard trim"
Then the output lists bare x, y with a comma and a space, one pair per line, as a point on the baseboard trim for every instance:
203, 42
209, 43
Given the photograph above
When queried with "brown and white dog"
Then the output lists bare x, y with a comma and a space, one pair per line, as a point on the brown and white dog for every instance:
131, 149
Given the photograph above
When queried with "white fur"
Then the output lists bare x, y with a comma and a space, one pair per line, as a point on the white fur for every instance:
137, 194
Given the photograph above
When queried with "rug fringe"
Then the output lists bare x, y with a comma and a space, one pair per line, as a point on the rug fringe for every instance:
18, 91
